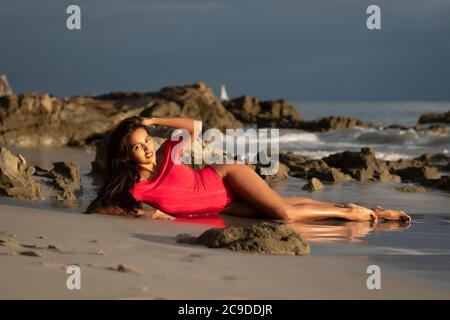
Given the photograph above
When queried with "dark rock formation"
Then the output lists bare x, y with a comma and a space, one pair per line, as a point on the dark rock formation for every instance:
51, 121
331, 123
268, 113
417, 174
16, 177
435, 118
264, 238
361, 165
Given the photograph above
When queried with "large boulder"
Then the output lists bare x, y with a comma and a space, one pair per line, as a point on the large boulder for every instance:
264, 238
16, 177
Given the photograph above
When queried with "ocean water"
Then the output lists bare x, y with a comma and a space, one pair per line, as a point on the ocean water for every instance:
390, 144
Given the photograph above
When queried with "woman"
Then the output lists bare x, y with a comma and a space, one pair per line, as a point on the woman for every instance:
136, 173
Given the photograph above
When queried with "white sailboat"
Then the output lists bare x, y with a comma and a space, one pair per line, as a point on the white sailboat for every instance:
223, 94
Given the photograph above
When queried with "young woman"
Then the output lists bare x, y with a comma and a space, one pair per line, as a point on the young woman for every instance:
136, 173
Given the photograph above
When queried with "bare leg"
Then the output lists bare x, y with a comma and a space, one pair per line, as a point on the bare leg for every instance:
258, 194
301, 200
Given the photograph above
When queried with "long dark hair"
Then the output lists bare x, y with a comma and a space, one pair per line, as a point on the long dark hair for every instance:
121, 173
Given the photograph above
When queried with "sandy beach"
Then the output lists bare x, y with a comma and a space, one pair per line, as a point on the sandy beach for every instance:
167, 270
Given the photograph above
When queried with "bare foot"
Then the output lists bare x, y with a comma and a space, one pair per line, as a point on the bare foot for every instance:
391, 215
360, 213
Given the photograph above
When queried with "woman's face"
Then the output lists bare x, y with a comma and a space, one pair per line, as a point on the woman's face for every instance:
141, 147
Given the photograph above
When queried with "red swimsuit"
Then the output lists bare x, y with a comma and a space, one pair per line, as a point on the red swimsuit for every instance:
177, 189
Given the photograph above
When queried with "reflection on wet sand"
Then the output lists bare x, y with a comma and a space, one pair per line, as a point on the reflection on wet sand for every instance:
325, 231
343, 232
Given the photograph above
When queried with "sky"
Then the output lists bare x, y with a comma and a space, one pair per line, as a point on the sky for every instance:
312, 50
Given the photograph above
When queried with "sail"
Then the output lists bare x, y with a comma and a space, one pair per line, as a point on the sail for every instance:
223, 94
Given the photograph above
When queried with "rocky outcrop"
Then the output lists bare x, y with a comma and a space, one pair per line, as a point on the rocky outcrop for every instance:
264, 238
435, 118
52, 121
16, 177
5, 88
331, 123
49, 121
196, 101
269, 113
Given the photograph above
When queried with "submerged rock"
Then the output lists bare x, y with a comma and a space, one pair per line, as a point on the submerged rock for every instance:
411, 188
264, 238
16, 177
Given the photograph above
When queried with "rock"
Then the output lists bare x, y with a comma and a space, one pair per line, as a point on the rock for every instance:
436, 128
30, 253
270, 113
444, 183
5, 88
198, 101
126, 269
313, 185
435, 117
293, 160
52, 121
55, 247
264, 238
16, 177
361, 165
280, 175
331, 123
411, 188
66, 178
417, 174
329, 175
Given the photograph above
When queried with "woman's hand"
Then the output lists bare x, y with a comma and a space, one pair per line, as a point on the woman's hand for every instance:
155, 214
148, 121
159, 215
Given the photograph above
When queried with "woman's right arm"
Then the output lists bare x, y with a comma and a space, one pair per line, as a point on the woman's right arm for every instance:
155, 214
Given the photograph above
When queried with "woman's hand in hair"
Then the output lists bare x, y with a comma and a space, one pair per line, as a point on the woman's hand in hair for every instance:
148, 121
